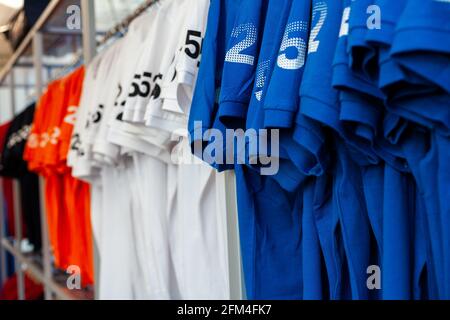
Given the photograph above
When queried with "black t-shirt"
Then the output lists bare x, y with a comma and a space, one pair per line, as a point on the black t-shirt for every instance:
12, 165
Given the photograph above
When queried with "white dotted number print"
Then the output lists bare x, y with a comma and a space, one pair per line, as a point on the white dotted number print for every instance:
344, 23
234, 54
261, 76
319, 14
295, 42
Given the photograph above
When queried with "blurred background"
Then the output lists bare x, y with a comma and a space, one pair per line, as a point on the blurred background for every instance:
61, 45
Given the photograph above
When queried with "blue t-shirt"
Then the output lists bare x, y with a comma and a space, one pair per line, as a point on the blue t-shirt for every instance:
397, 215
318, 100
272, 249
240, 63
351, 49
204, 108
422, 40
361, 53
274, 29
364, 118
393, 80
315, 281
430, 109
329, 233
282, 99
360, 98
380, 37
398, 241
420, 46
435, 174
425, 153
396, 83
270, 236
269, 217
362, 111
353, 219
319, 107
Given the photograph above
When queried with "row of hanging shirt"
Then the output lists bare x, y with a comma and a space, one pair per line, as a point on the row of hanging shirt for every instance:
159, 226
359, 206
160, 229
362, 182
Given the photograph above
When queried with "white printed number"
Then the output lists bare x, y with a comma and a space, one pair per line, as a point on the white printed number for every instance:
261, 76
344, 22
19, 136
33, 141
51, 138
234, 54
71, 117
295, 42
320, 9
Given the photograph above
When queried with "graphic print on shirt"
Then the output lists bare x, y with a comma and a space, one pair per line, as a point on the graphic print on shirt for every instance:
19, 136
293, 42
344, 24
319, 15
146, 85
261, 78
51, 137
71, 117
77, 145
170, 111
235, 53
192, 39
118, 103
95, 117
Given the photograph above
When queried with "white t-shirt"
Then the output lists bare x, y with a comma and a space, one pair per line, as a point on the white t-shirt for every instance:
173, 243
124, 67
89, 115
154, 63
197, 222
171, 112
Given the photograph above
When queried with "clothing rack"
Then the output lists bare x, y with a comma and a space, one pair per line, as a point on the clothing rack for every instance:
225, 181
121, 27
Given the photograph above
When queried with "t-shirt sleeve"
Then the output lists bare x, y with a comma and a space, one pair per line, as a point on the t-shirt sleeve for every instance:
282, 100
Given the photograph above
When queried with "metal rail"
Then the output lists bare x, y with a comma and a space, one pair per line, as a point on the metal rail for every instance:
29, 38
36, 271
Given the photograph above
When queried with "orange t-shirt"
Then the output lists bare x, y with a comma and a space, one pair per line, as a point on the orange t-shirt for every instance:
67, 199
77, 193
32, 153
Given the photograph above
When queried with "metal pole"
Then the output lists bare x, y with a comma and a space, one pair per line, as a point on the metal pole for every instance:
89, 32
18, 238
17, 207
89, 52
234, 248
35, 270
226, 198
46, 255
38, 52
3, 233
